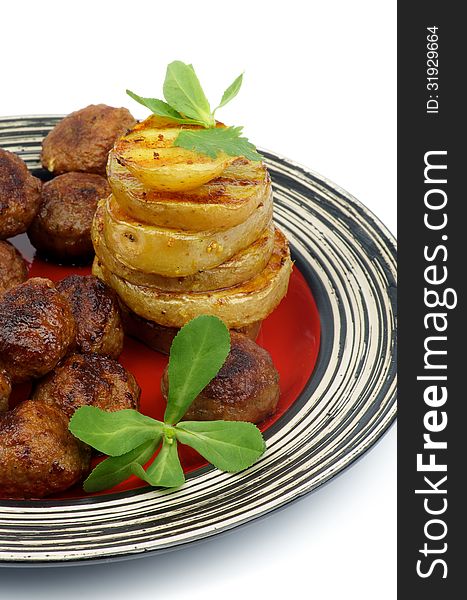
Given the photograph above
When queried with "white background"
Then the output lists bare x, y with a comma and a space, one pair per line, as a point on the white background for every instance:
319, 88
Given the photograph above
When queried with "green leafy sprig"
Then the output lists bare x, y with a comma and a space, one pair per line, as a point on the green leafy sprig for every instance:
131, 439
186, 104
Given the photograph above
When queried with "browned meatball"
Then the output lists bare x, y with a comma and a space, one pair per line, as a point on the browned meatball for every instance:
88, 380
97, 314
5, 389
39, 456
82, 140
160, 338
20, 195
245, 389
61, 229
37, 329
13, 267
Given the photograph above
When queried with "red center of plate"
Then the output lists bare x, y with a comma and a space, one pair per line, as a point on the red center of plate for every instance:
291, 334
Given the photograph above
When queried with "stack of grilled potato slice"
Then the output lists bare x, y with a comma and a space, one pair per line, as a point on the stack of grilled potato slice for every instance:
183, 234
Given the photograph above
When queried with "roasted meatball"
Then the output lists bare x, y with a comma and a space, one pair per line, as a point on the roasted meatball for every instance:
160, 338
20, 195
95, 308
37, 329
82, 140
245, 389
155, 336
39, 456
13, 267
88, 380
61, 229
5, 389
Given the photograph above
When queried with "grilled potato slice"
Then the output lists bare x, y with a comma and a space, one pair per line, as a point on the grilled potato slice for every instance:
237, 306
241, 267
221, 203
177, 253
149, 153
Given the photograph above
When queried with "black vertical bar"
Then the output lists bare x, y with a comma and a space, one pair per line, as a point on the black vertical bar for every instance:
432, 202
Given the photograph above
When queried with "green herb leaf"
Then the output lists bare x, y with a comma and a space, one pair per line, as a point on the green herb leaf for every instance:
165, 470
113, 433
162, 109
158, 107
230, 92
114, 470
197, 353
213, 141
187, 104
229, 445
184, 93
